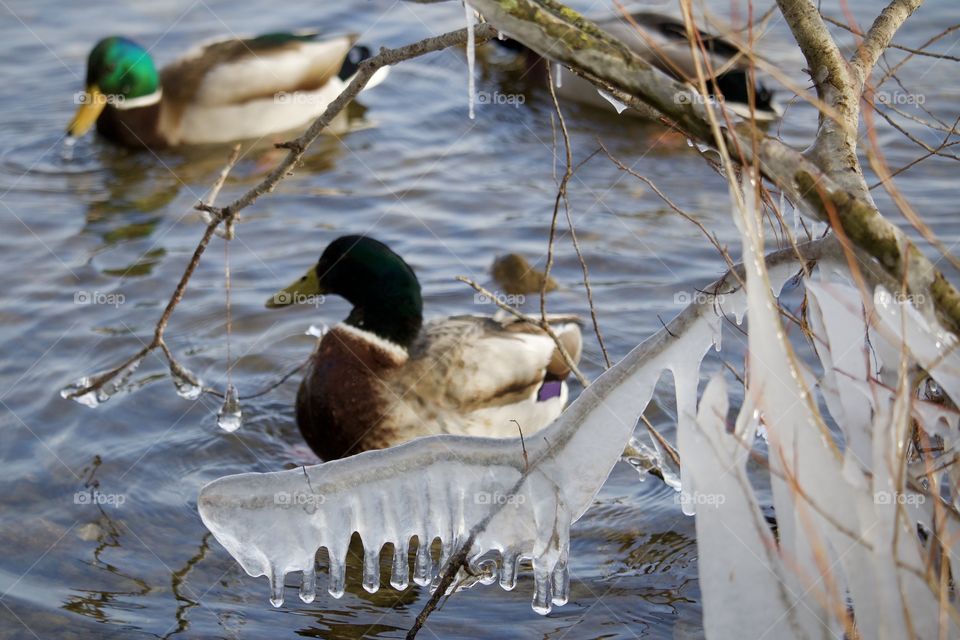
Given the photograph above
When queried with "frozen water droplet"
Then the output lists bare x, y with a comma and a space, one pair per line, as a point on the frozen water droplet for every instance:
69, 145
645, 458
501, 36
690, 143
485, 570
89, 399
471, 55
308, 588
619, 106
558, 75
316, 331
933, 391
188, 385
106, 391
230, 416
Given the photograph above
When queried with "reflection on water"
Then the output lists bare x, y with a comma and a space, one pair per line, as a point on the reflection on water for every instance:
131, 559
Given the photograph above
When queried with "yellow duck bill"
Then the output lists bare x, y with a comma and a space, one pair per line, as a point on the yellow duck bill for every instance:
305, 290
92, 103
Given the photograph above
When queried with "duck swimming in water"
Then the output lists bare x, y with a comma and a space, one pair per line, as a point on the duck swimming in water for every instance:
227, 90
384, 376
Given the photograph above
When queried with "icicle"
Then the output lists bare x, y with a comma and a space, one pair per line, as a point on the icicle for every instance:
337, 574
230, 416
430, 489
423, 567
471, 56
541, 589
619, 106
108, 390
509, 564
276, 587
371, 570
188, 385
561, 584
400, 575
308, 588
558, 75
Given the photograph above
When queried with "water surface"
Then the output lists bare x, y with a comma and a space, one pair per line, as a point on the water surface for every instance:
446, 192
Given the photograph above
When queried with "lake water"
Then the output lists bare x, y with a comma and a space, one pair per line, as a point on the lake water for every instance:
447, 193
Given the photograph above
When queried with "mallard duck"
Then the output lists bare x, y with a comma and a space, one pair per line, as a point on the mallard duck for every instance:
384, 376
226, 90
662, 41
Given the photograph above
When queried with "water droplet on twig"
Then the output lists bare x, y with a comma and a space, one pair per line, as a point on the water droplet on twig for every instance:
188, 385
96, 397
230, 416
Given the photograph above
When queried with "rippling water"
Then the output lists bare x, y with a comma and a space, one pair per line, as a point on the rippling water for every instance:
447, 193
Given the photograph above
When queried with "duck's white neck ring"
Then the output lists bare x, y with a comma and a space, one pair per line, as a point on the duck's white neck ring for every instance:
392, 348
142, 101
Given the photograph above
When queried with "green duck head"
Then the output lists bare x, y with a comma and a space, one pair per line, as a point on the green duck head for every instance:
119, 72
382, 288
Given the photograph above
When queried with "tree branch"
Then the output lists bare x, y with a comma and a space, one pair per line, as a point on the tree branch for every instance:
879, 36
829, 177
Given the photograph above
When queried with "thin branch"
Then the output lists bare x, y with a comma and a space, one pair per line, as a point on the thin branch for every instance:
158, 333
880, 35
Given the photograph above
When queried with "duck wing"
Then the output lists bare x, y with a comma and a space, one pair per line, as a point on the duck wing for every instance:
235, 71
468, 363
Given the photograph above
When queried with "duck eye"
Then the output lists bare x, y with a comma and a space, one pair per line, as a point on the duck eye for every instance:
111, 67
303, 279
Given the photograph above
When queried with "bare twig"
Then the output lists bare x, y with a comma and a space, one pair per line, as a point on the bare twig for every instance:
158, 333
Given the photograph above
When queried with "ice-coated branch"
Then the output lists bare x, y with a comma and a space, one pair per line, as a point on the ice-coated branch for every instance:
861, 549
457, 488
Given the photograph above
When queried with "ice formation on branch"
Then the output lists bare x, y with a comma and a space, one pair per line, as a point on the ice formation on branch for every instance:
443, 486
471, 16
847, 516
860, 529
